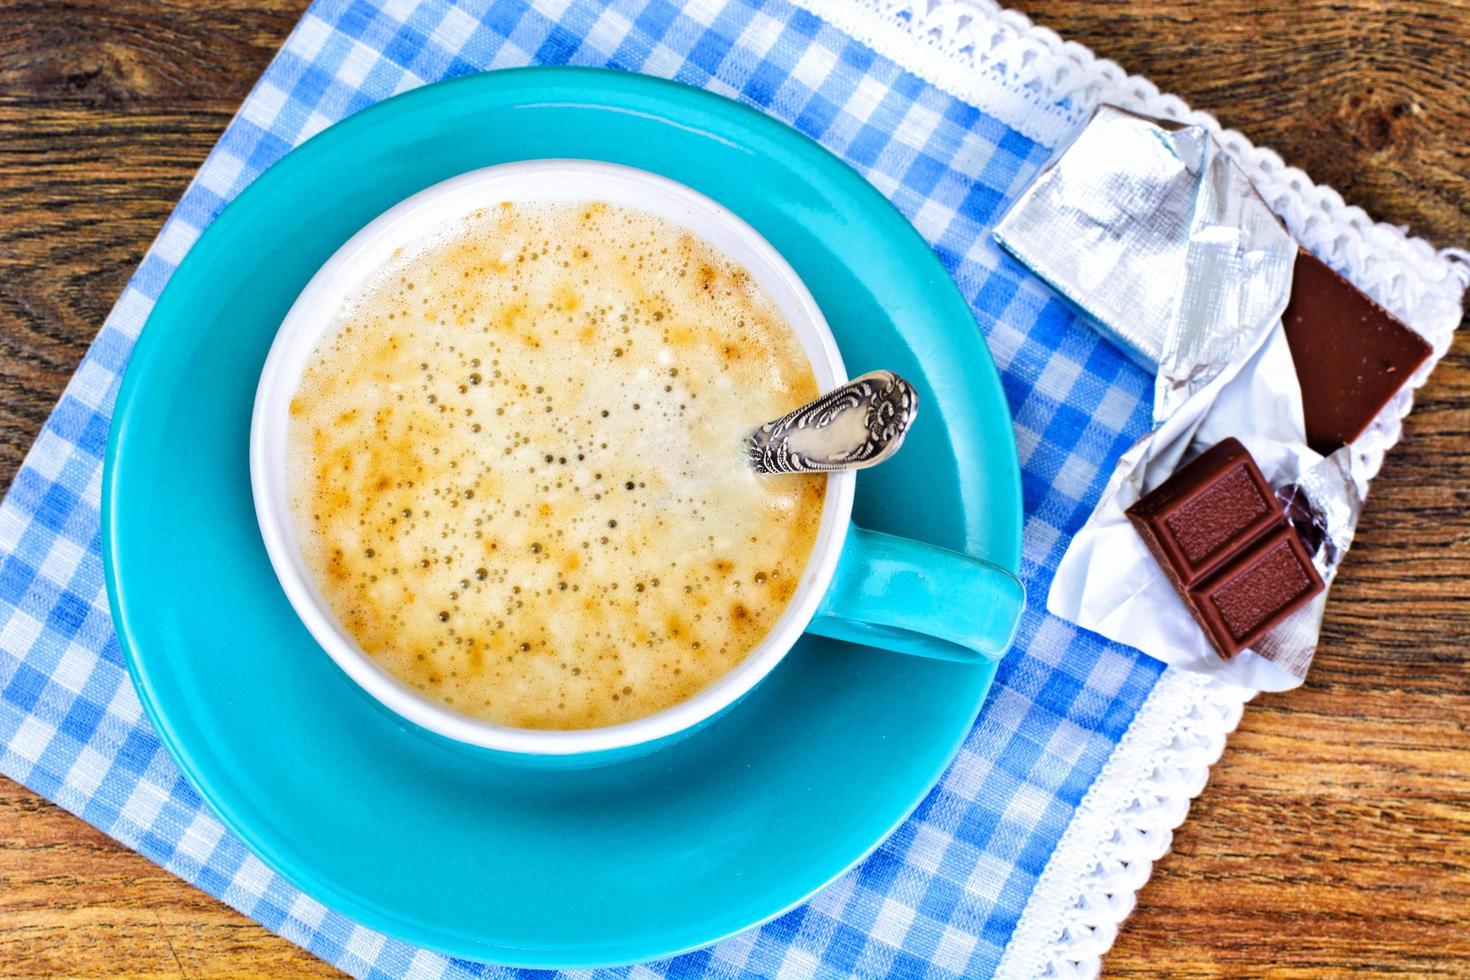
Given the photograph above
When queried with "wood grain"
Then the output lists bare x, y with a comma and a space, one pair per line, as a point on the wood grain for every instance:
1334, 835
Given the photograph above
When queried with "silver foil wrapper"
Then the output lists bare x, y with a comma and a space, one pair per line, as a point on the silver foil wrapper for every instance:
1154, 232
1172, 253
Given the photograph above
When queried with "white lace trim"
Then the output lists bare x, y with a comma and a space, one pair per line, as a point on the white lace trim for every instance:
1045, 87
1122, 826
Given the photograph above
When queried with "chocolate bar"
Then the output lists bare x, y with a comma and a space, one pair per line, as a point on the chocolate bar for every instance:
1222, 537
1351, 354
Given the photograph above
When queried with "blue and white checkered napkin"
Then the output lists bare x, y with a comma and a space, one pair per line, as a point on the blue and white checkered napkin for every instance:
943, 896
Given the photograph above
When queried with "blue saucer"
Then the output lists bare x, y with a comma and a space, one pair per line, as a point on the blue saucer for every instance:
451, 847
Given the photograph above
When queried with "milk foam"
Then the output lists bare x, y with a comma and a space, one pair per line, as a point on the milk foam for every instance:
518, 472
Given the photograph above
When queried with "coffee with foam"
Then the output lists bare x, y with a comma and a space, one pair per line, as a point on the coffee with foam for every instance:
517, 466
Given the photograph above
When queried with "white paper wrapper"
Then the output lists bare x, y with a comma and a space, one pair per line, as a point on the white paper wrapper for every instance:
1154, 231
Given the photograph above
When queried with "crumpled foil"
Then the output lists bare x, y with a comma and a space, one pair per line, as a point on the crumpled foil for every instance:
1174, 254
1152, 230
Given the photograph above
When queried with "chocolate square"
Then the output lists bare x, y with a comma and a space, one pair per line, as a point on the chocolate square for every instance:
1351, 354
1196, 519
1267, 582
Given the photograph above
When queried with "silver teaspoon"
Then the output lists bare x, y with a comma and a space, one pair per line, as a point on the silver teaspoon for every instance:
852, 427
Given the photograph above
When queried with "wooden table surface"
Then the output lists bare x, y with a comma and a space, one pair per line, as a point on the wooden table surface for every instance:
1335, 832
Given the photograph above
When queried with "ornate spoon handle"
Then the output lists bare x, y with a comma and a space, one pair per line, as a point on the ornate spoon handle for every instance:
857, 425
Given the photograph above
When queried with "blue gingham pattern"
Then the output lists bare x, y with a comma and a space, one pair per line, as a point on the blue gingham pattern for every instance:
942, 897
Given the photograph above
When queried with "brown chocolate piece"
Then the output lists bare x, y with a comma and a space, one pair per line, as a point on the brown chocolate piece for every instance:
1198, 518
1221, 535
1351, 354
1267, 582
1306, 520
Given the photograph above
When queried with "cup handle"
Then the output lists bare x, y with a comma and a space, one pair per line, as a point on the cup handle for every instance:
920, 599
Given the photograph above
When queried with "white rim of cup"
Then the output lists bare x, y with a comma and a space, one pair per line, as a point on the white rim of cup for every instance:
415, 221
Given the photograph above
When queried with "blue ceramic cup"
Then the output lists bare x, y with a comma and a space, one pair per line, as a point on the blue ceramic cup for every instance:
861, 586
